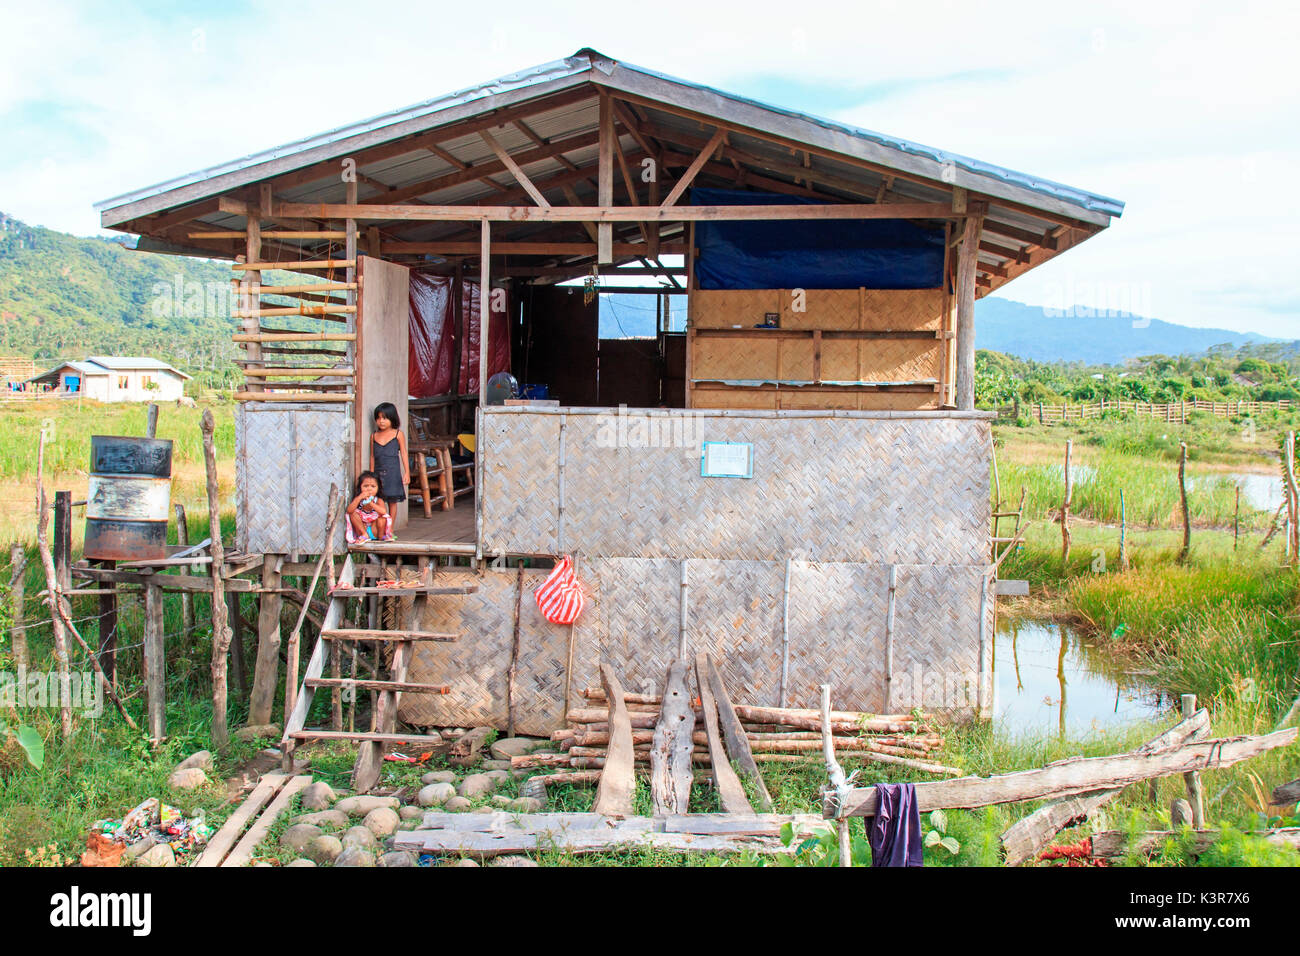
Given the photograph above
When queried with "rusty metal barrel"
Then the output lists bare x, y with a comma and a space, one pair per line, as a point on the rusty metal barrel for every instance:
129, 498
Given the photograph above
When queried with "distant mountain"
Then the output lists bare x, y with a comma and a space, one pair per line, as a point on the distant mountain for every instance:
64, 296
1032, 332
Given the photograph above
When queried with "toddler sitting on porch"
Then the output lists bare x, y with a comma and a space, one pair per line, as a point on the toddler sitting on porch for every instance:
368, 517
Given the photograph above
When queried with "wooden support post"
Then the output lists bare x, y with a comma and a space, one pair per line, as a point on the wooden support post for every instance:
17, 585
350, 274
967, 264
237, 661
267, 671
889, 639
484, 311
514, 653
151, 421
155, 663
249, 300
1195, 796
1186, 553
221, 633
604, 180
187, 599
1065, 507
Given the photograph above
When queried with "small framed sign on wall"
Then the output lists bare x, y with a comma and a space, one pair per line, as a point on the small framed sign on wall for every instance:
727, 459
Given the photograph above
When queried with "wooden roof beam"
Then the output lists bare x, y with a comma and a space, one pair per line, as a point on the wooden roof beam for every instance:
610, 214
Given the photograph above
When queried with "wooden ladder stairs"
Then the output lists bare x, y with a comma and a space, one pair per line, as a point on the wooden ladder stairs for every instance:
365, 773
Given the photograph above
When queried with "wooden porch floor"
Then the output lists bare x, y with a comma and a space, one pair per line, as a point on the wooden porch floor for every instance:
447, 532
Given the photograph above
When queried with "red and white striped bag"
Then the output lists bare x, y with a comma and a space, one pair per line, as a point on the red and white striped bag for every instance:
560, 597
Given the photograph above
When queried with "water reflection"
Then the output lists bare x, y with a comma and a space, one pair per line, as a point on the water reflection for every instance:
1046, 676
1260, 492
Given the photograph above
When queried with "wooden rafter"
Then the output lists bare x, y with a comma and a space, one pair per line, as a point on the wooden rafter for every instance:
520, 176
687, 177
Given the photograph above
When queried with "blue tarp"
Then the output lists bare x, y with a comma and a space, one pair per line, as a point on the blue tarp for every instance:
812, 254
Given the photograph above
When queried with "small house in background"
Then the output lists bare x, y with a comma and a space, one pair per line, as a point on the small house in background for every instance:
109, 379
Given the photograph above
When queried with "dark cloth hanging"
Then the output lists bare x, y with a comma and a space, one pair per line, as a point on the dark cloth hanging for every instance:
894, 833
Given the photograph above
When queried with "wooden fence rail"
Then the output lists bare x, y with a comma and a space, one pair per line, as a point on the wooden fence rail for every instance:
1165, 411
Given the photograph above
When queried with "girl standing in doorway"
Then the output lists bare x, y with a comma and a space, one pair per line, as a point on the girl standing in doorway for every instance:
388, 457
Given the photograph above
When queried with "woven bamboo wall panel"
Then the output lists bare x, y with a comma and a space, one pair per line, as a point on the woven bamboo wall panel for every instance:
476, 667
898, 360
878, 491
715, 309
286, 456
737, 358
931, 669
733, 611
837, 634
520, 484
878, 309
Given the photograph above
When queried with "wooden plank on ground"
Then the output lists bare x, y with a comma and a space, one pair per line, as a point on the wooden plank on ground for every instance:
1071, 777
670, 753
737, 741
725, 780
225, 838
1109, 844
491, 834
618, 780
243, 850
1026, 838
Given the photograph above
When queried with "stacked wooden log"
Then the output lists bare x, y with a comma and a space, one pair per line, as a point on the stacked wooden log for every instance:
775, 735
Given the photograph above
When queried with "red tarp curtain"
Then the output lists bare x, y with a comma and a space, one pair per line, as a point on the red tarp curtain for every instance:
433, 328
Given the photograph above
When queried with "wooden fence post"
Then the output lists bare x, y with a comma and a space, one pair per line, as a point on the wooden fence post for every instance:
1123, 529
1065, 507
17, 584
1182, 493
53, 588
155, 663
1195, 795
187, 599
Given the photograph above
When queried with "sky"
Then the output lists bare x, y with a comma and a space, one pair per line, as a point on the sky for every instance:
1187, 112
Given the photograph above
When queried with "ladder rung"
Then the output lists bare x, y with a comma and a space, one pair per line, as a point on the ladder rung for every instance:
415, 739
363, 634
401, 686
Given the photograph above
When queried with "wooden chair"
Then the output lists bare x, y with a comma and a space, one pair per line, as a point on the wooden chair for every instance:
421, 472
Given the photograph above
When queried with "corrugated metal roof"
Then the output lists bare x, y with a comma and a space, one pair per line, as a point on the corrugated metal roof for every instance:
590, 66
